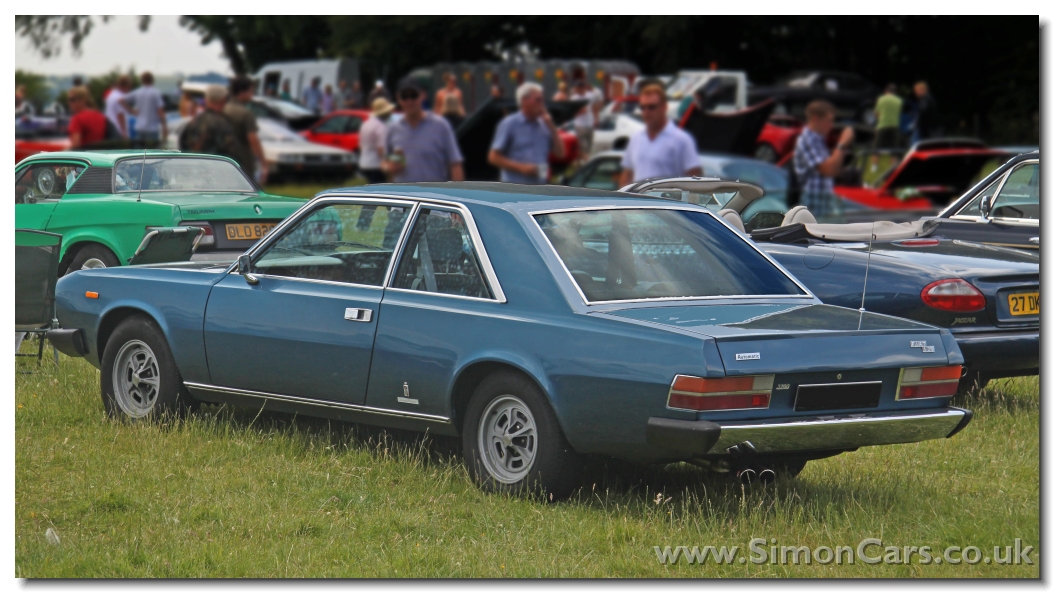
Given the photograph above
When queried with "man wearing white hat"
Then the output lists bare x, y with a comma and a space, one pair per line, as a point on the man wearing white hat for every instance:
373, 137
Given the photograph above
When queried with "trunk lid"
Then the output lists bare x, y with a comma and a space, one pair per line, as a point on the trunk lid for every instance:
227, 205
793, 338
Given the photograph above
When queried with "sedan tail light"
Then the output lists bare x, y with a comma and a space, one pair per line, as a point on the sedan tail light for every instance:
207, 239
953, 295
922, 382
729, 393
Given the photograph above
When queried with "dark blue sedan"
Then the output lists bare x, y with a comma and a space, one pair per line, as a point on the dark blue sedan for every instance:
539, 324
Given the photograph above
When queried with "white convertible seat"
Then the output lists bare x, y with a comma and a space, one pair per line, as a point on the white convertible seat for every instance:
883, 230
798, 214
732, 217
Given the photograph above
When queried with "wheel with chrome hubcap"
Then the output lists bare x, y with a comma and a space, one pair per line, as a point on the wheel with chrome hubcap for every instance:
139, 376
513, 442
136, 379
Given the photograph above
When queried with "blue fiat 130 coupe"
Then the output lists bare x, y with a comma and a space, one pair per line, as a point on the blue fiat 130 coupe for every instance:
539, 324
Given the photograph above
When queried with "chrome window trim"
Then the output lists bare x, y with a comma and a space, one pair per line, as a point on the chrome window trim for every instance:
477, 241
808, 293
317, 402
316, 281
402, 249
309, 207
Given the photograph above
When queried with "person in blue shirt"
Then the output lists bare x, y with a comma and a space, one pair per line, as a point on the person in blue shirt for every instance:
523, 139
312, 97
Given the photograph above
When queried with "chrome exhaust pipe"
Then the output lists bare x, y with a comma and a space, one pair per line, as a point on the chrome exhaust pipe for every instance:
767, 476
747, 476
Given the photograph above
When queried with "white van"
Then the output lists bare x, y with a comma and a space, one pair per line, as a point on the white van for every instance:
300, 73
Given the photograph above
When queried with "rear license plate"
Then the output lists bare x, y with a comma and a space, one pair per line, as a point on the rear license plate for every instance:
248, 231
837, 396
1023, 303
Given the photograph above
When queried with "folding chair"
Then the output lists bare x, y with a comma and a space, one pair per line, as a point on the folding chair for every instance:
36, 272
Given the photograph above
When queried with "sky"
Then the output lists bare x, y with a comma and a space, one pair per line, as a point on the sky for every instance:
165, 48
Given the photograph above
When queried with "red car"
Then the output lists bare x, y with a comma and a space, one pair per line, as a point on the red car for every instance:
930, 176
777, 138
30, 146
340, 129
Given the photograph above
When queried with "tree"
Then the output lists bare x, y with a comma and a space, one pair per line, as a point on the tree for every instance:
48, 32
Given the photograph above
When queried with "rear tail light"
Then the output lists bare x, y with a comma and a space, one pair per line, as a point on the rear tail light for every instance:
922, 382
953, 295
208, 238
918, 242
730, 393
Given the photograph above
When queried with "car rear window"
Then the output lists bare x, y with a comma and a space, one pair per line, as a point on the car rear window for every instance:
179, 174
632, 254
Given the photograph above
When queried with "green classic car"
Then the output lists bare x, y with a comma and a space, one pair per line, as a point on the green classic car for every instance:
104, 203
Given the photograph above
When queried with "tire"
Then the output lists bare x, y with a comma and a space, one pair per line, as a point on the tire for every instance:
156, 390
540, 461
765, 152
92, 256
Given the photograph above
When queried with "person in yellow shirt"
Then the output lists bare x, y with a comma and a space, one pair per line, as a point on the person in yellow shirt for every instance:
887, 128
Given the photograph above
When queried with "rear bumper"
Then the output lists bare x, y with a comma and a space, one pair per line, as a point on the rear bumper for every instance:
697, 438
1000, 350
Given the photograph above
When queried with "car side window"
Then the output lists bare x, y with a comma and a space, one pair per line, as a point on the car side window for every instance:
1019, 196
440, 257
333, 125
45, 181
351, 243
353, 126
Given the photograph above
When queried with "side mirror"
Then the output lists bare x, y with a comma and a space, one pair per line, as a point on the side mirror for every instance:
986, 207
245, 266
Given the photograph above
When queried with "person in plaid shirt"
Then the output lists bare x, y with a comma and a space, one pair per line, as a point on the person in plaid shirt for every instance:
816, 166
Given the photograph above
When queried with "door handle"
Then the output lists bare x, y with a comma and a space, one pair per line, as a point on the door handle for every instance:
358, 315
1034, 240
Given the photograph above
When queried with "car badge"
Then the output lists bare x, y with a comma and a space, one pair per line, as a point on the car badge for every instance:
406, 399
258, 209
748, 356
922, 344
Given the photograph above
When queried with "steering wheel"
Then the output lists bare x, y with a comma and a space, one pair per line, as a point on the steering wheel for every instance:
46, 181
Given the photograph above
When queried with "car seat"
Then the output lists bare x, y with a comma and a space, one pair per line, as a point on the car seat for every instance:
798, 215
732, 218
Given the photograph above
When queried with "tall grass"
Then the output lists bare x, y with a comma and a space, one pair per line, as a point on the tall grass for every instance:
234, 493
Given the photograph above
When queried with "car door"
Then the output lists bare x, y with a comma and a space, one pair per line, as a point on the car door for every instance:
38, 189
442, 287
1014, 214
305, 328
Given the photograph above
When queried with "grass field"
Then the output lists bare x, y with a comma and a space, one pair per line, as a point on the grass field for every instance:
310, 188
232, 493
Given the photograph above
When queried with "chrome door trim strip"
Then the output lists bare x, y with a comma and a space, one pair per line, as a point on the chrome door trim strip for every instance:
751, 244
316, 402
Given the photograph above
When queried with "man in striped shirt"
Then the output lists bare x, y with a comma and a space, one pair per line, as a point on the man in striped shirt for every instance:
816, 166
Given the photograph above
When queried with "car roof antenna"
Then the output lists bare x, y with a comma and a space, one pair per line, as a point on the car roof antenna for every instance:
863, 296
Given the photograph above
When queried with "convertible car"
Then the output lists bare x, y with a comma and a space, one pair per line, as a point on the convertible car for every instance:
538, 323
1003, 209
987, 296
105, 203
